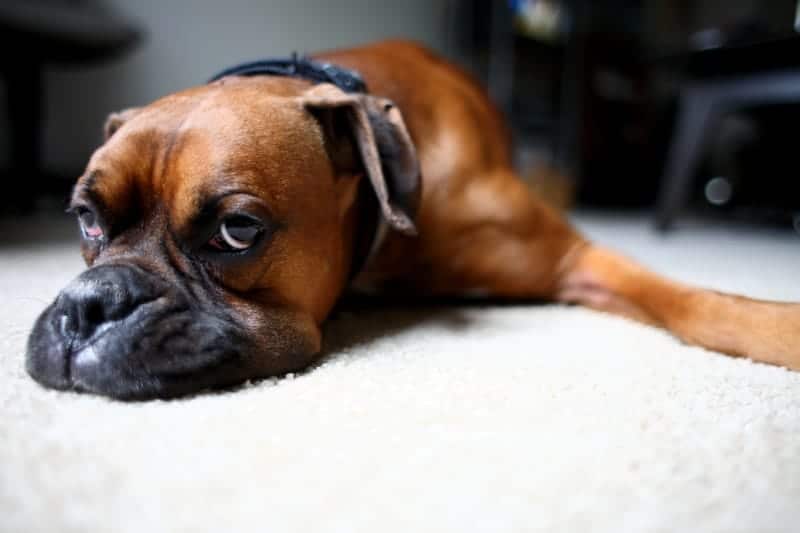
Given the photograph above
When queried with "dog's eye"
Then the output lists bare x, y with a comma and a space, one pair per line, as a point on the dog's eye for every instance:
236, 234
90, 226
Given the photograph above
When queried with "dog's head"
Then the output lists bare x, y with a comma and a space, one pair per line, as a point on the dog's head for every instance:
218, 226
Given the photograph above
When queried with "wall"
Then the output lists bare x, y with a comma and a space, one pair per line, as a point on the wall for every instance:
189, 40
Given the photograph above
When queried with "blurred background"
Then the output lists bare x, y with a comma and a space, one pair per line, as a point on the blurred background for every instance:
676, 108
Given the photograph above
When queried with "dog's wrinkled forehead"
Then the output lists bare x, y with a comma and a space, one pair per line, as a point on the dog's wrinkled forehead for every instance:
254, 136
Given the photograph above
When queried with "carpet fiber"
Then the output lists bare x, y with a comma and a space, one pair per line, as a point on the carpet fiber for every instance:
522, 418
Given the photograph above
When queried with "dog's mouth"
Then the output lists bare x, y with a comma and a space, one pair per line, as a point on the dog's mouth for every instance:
118, 331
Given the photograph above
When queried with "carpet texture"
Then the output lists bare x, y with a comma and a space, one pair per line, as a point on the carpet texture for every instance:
524, 418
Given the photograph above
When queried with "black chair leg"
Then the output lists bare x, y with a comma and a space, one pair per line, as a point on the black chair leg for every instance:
688, 143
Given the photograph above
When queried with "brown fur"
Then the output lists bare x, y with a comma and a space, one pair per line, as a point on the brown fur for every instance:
479, 227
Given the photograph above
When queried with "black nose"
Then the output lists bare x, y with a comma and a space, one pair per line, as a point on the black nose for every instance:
100, 296
61, 348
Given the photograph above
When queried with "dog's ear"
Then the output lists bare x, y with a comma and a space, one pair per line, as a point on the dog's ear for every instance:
383, 144
116, 120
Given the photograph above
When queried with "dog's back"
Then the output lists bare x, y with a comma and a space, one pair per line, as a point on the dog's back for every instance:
464, 150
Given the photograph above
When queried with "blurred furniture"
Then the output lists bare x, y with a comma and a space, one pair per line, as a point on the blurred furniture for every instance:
531, 76
34, 34
513, 50
578, 102
720, 81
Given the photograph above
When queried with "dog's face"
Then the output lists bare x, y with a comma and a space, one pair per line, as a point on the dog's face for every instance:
218, 228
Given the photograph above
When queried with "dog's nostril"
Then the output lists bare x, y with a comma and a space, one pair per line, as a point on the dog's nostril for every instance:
93, 313
82, 312
102, 295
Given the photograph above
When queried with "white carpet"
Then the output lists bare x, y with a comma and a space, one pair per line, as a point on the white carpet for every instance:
501, 419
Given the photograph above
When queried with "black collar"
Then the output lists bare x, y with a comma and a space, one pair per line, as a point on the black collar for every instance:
349, 81
369, 219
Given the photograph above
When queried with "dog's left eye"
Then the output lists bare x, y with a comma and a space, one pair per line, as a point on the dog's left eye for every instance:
90, 226
236, 234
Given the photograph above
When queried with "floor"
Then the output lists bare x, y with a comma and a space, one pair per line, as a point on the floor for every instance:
522, 418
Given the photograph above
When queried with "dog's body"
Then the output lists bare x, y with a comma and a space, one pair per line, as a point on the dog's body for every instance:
476, 220
223, 223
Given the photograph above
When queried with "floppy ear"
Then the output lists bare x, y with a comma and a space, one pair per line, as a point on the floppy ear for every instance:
116, 120
384, 145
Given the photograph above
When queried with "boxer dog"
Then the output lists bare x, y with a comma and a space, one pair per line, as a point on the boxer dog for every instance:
221, 224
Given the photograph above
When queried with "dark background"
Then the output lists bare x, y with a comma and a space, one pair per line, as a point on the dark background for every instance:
594, 97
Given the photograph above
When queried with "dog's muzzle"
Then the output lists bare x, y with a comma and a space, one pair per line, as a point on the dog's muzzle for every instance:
121, 331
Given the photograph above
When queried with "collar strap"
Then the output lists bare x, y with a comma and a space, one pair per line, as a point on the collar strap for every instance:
349, 81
